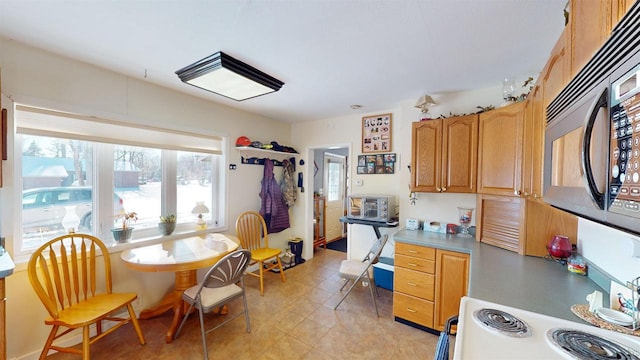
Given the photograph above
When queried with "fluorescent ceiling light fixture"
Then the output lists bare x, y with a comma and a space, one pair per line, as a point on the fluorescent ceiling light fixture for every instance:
229, 77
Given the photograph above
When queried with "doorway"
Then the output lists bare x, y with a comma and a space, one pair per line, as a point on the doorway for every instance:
330, 180
334, 190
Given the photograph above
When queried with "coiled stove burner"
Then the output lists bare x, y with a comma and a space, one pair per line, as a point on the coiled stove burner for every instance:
502, 322
582, 345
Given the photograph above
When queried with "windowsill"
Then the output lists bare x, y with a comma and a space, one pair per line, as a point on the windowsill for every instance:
113, 247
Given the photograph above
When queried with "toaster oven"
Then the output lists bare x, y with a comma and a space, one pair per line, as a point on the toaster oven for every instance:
379, 208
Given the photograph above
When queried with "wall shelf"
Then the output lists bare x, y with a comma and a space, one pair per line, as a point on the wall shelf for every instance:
256, 156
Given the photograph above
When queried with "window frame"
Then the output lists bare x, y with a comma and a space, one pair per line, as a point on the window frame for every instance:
103, 181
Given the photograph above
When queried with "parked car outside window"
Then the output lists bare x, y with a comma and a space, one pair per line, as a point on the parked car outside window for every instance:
46, 209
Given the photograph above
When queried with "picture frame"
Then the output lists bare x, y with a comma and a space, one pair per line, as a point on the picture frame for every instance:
376, 164
376, 133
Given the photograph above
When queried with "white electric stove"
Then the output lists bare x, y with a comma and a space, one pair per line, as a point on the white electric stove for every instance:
492, 331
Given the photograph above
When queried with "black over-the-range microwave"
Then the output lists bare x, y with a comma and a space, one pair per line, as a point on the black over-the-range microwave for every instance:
592, 138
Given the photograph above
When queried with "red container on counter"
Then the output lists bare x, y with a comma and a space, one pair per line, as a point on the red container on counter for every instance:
451, 228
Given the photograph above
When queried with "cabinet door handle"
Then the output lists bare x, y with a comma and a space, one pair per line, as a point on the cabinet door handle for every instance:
411, 284
517, 193
411, 310
444, 189
412, 251
439, 189
412, 264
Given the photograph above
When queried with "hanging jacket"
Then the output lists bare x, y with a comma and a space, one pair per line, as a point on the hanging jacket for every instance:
288, 185
274, 209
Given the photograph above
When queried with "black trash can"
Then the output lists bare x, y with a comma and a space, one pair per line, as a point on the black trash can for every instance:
296, 248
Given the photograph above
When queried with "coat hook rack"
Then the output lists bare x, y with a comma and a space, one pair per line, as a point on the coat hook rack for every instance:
260, 161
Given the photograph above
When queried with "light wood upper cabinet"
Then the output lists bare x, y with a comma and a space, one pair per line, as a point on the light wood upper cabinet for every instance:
591, 24
444, 155
557, 72
426, 155
500, 150
618, 9
533, 145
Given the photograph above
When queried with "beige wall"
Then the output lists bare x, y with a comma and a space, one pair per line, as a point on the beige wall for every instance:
39, 78
346, 131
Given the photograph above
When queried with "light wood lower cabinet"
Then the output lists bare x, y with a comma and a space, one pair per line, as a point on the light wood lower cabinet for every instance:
428, 284
452, 282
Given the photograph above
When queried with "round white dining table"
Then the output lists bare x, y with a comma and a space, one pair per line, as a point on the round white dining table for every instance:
183, 257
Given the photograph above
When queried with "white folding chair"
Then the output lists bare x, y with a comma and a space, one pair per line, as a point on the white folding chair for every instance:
354, 270
218, 287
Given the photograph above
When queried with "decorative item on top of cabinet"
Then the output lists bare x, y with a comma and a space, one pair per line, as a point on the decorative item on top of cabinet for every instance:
319, 207
444, 155
500, 150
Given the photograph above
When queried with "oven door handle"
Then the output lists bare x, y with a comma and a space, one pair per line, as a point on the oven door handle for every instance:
597, 196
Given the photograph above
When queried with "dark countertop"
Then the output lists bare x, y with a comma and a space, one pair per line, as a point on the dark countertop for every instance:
504, 277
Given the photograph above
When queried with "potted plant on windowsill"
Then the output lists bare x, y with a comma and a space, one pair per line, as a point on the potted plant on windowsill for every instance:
123, 232
167, 224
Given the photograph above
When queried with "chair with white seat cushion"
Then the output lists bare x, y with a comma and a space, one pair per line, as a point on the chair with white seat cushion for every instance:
222, 283
359, 270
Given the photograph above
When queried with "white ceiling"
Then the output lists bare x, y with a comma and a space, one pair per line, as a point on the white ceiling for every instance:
329, 53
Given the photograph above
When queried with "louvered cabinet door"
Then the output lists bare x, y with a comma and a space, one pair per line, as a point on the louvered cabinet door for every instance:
501, 220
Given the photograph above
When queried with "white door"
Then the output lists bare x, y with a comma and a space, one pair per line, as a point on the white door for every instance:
334, 170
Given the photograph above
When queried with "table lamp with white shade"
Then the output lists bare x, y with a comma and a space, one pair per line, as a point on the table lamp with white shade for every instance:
200, 209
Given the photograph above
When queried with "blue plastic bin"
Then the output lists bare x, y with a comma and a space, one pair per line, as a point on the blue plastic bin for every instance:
383, 273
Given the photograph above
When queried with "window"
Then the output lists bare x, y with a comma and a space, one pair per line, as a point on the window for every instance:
334, 177
79, 172
137, 181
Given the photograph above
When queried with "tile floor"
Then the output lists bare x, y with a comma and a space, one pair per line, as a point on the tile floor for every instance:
293, 320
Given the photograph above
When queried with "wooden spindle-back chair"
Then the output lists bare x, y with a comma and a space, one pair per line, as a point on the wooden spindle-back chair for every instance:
71, 275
